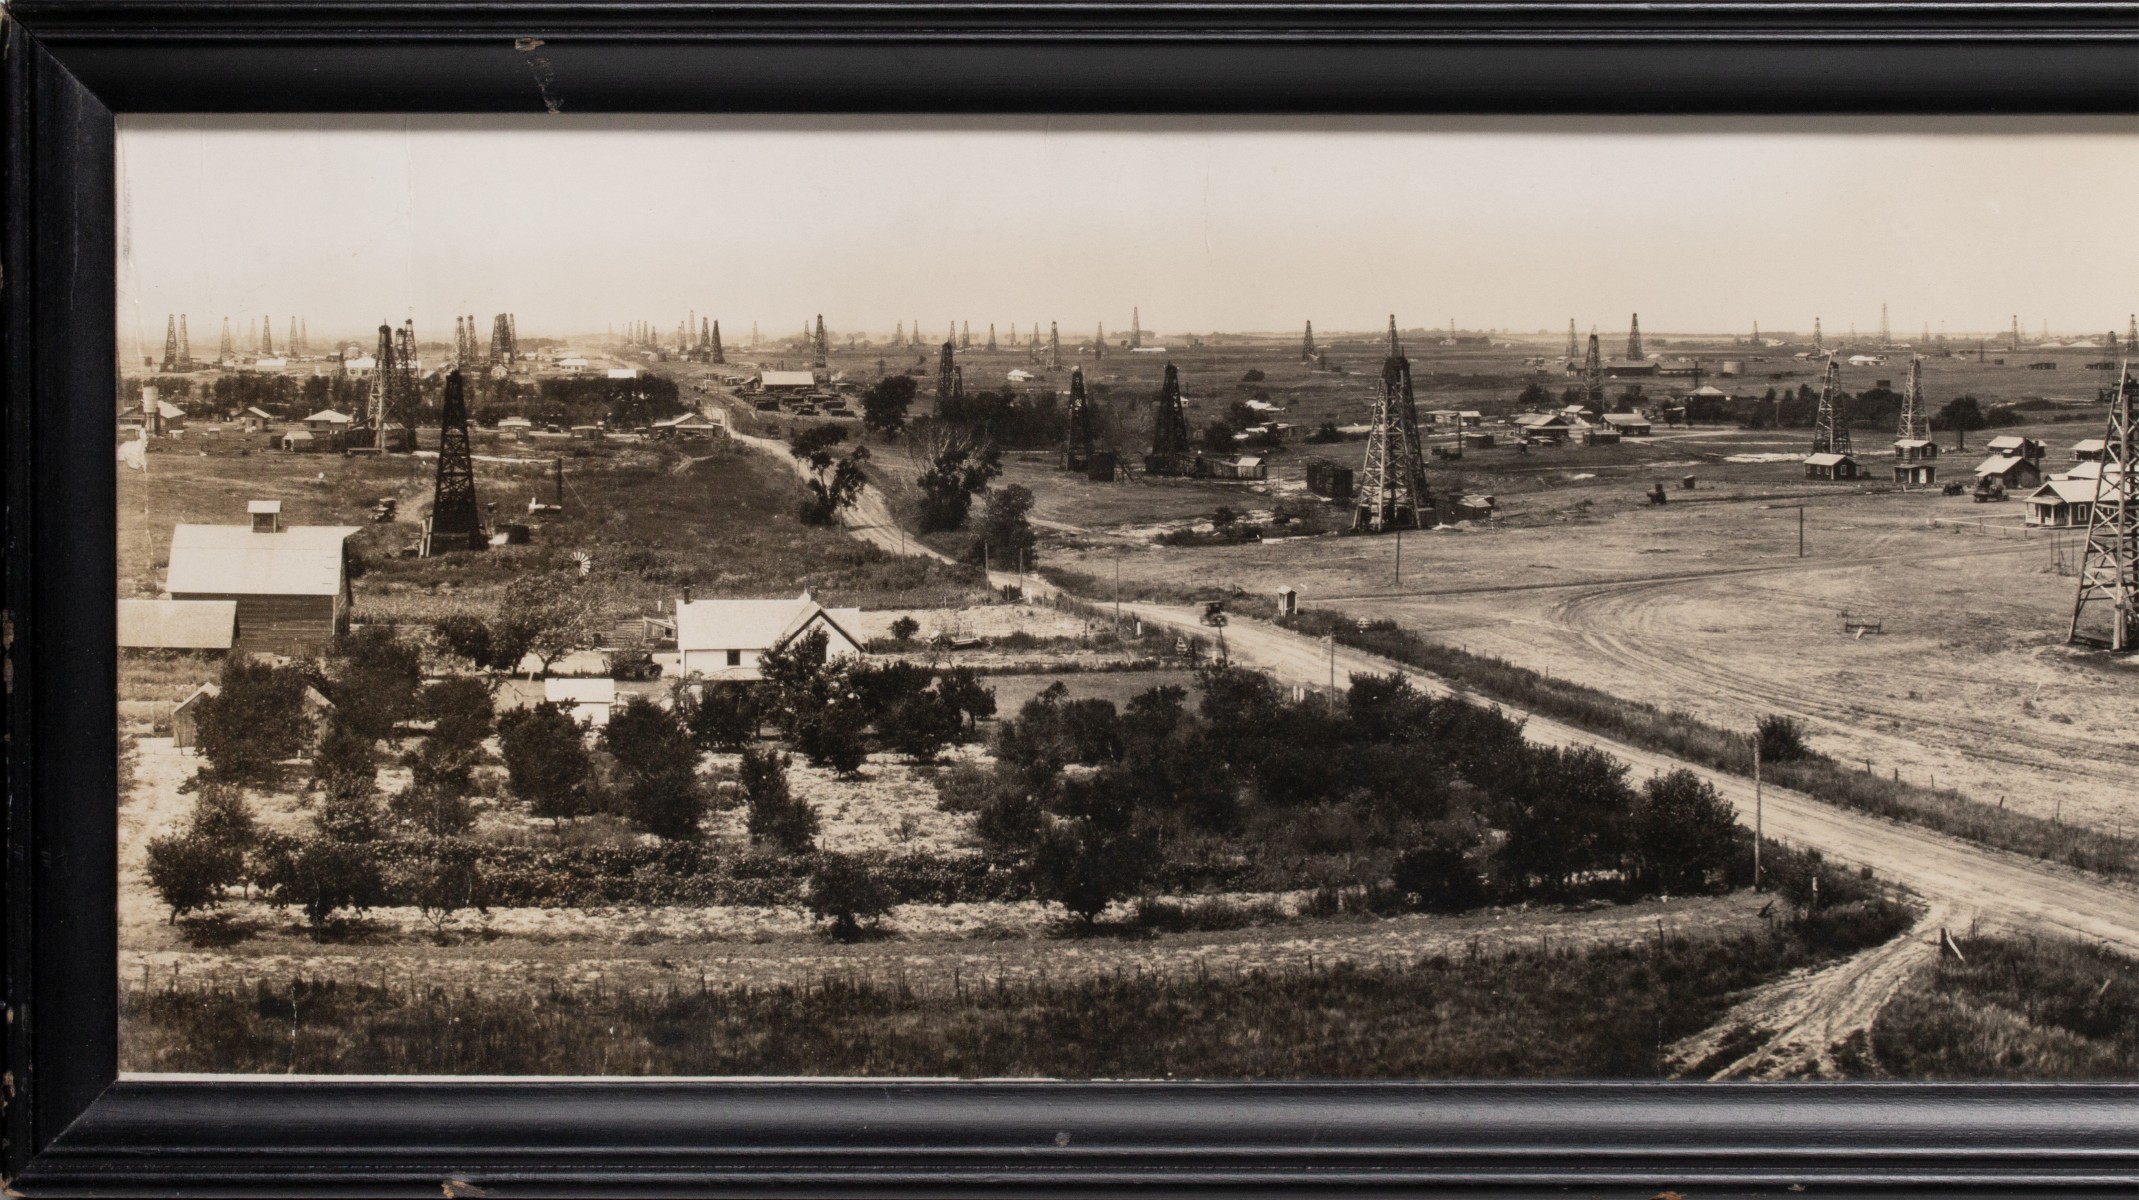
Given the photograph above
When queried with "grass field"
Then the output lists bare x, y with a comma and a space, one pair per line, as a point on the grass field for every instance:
2017, 1008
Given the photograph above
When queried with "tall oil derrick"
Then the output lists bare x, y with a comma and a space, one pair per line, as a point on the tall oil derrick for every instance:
1574, 347
1307, 343
2109, 573
1032, 348
1170, 448
1099, 342
460, 342
267, 337
1077, 447
185, 343
958, 384
1634, 353
1915, 423
224, 353
382, 387
1396, 348
1886, 335
1054, 346
991, 335
290, 345
898, 336
1392, 491
946, 368
1756, 333
1819, 340
718, 355
1830, 428
2131, 330
965, 335
1593, 376
2016, 333
170, 342
456, 523
407, 395
501, 347
820, 348
512, 336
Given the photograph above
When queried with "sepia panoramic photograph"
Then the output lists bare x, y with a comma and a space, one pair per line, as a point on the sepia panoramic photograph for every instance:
1128, 598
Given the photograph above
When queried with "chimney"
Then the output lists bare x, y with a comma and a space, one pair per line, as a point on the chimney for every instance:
266, 515
686, 594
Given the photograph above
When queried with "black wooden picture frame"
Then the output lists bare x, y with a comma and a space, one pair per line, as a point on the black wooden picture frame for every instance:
72, 1128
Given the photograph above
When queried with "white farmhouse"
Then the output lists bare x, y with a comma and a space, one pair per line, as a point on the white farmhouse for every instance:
724, 639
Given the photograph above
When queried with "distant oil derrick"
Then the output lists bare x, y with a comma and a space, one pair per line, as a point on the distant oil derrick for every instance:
965, 335
455, 522
460, 342
1392, 491
2109, 570
946, 371
1593, 377
1915, 424
267, 337
1307, 344
382, 387
713, 351
289, 344
1099, 341
502, 349
170, 342
1756, 333
1136, 329
2016, 332
185, 344
820, 348
1574, 347
1032, 348
1054, 346
1886, 334
1077, 446
406, 396
224, 354
1634, 352
1819, 340
898, 336
1171, 452
1830, 428
991, 335
2131, 329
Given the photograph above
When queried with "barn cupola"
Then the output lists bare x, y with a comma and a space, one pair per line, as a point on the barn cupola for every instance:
266, 515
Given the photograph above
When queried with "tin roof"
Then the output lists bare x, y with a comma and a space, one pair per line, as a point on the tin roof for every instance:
754, 624
233, 560
177, 624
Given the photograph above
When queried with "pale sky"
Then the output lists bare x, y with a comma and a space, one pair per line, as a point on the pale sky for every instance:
576, 223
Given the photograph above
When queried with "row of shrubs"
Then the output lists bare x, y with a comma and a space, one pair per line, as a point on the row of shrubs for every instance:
1786, 760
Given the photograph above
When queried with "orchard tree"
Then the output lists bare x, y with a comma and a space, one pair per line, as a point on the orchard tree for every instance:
658, 765
1005, 527
777, 817
254, 722
189, 872
885, 404
546, 761
954, 468
846, 893
548, 615
1685, 835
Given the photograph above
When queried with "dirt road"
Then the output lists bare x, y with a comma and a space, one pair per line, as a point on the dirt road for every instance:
1966, 881
870, 519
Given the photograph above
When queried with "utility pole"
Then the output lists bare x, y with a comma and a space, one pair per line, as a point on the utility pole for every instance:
1117, 590
1759, 812
1333, 662
1801, 531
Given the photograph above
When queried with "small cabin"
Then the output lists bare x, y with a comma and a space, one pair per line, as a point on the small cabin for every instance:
724, 639
1832, 466
1628, 424
2090, 450
2060, 504
2014, 471
2012, 445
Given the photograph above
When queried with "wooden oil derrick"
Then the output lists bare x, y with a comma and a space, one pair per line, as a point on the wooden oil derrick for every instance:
1830, 429
382, 387
1574, 347
1819, 340
946, 373
267, 337
406, 396
1915, 424
991, 335
170, 342
1307, 344
1077, 448
714, 352
819, 347
2109, 568
1054, 346
1634, 353
224, 354
1593, 377
1136, 329
1392, 492
456, 523
1171, 451
1099, 342
501, 341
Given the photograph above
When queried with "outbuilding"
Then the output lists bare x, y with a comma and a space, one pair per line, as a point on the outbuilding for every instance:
691, 427
209, 626
1629, 424
290, 584
2013, 445
2090, 450
787, 381
1831, 466
2061, 503
2011, 470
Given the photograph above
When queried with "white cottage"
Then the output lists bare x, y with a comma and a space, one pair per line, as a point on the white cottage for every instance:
724, 639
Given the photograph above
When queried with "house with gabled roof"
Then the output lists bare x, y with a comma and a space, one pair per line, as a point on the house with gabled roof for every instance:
290, 584
726, 639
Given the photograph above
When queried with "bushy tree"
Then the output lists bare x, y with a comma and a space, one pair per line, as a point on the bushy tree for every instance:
954, 467
833, 486
904, 628
833, 735
189, 871
659, 766
1782, 739
548, 614
1218, 437
221, 815
442, 884
433, 808
1685, 835
322, 876
1005, 527
1570, 816
844, 891
777, 817
460, 714
255, 721
920, 724
885, 404
961, 687
374, 680
546, 761
1094, 851
465, 636
1440, 873
724, 716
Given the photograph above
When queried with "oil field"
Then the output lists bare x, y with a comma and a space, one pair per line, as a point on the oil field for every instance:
953, 696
